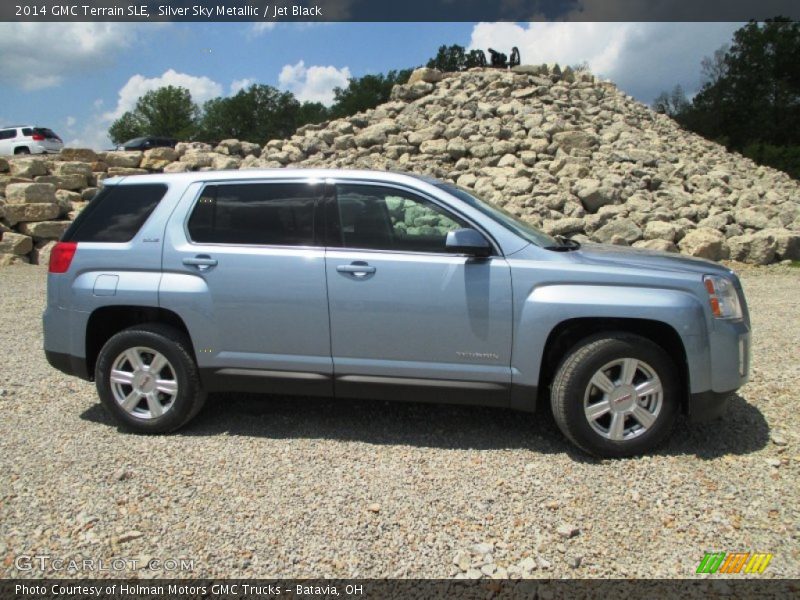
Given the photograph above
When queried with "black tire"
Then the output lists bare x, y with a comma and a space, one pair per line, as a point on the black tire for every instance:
176, 347
20, 151
573, 377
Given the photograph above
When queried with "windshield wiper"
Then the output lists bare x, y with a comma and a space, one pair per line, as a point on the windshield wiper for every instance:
565, 244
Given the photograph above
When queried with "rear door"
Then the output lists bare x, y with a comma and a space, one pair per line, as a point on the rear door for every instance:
6, 138
244, 267
410, 320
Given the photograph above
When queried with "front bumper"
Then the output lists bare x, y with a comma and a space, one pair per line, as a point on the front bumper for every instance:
707, 406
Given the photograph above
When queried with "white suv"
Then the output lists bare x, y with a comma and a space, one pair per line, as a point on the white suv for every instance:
29, 140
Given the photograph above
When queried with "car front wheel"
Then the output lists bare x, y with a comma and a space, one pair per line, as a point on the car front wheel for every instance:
616, 395
148, 380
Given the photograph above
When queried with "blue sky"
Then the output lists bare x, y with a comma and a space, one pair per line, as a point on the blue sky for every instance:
77, 77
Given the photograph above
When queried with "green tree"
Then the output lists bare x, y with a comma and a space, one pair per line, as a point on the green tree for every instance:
363, 93
449, 59
127, 127
750, 96
456, 58
673, 104
168, 111
258, 113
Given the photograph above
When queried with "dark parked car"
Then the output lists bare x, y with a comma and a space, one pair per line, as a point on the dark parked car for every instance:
145, 143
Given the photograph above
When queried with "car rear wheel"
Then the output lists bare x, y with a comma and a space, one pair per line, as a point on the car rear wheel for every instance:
616, 395
148, 380
19, 151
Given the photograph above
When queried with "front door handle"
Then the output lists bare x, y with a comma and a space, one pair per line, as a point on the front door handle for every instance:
201, 261
356, 269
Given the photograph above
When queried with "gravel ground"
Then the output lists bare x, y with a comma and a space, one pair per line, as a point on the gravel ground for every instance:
283, 487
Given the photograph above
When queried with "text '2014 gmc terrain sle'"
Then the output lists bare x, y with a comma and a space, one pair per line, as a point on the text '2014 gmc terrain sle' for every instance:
359, 284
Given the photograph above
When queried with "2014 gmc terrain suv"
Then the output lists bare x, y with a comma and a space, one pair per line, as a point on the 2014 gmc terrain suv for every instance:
360, 284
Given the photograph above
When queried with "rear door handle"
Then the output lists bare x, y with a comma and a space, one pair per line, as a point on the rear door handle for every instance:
202, 261
356, 269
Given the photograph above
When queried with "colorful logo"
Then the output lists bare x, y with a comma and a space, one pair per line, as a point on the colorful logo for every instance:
734, 562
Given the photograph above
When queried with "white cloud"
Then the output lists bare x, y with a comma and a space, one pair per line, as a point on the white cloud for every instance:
641, 58
94, 133
260, 28
70, 121
202, 88
239, 84
35, 56
313, 84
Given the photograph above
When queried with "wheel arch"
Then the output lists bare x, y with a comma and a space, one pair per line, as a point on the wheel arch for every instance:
570, 332
106, 321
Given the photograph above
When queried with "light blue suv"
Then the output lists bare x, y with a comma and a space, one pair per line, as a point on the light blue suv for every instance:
361, 284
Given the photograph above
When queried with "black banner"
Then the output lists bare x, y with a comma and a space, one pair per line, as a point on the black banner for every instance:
371, 589
400, 10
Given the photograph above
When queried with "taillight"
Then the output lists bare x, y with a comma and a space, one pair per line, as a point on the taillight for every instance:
61, 256
38, 137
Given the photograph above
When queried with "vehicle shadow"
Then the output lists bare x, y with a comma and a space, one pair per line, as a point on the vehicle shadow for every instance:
742, 431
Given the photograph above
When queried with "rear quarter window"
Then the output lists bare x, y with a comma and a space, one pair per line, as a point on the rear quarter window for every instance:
116, 214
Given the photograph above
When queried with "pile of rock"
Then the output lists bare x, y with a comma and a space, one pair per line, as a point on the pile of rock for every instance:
568, 153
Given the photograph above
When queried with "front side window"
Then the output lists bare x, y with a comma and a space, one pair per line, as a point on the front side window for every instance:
500, 216
384, 218
268, 214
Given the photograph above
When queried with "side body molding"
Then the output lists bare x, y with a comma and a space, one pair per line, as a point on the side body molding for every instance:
546, 306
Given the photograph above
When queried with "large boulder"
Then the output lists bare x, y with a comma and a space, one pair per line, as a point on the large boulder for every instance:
662, 230
41, 252
15, 243
72, 168
81, 154
45, 230
29, 193
27, 167
25, 213
411, 92
571, 140
593, 194
425, 74
758, 250
65, 182
704, 243
621, 229
129, 159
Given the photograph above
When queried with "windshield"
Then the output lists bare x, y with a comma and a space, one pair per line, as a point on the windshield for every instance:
503, 217
134, 141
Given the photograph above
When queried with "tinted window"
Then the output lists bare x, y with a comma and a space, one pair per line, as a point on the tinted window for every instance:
501, 216
116, 214
275, 214
8, 134
48, 133
383, 218
27, 131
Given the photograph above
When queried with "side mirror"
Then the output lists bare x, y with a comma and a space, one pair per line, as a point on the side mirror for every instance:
468, 241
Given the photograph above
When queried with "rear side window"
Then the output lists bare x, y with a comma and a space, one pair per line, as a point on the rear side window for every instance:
269, 214
27, 131
48, 133
116, 214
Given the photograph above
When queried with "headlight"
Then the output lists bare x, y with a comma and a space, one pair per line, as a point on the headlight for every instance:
723, 297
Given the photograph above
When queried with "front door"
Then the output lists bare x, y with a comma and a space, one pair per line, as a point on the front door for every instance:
410, 320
